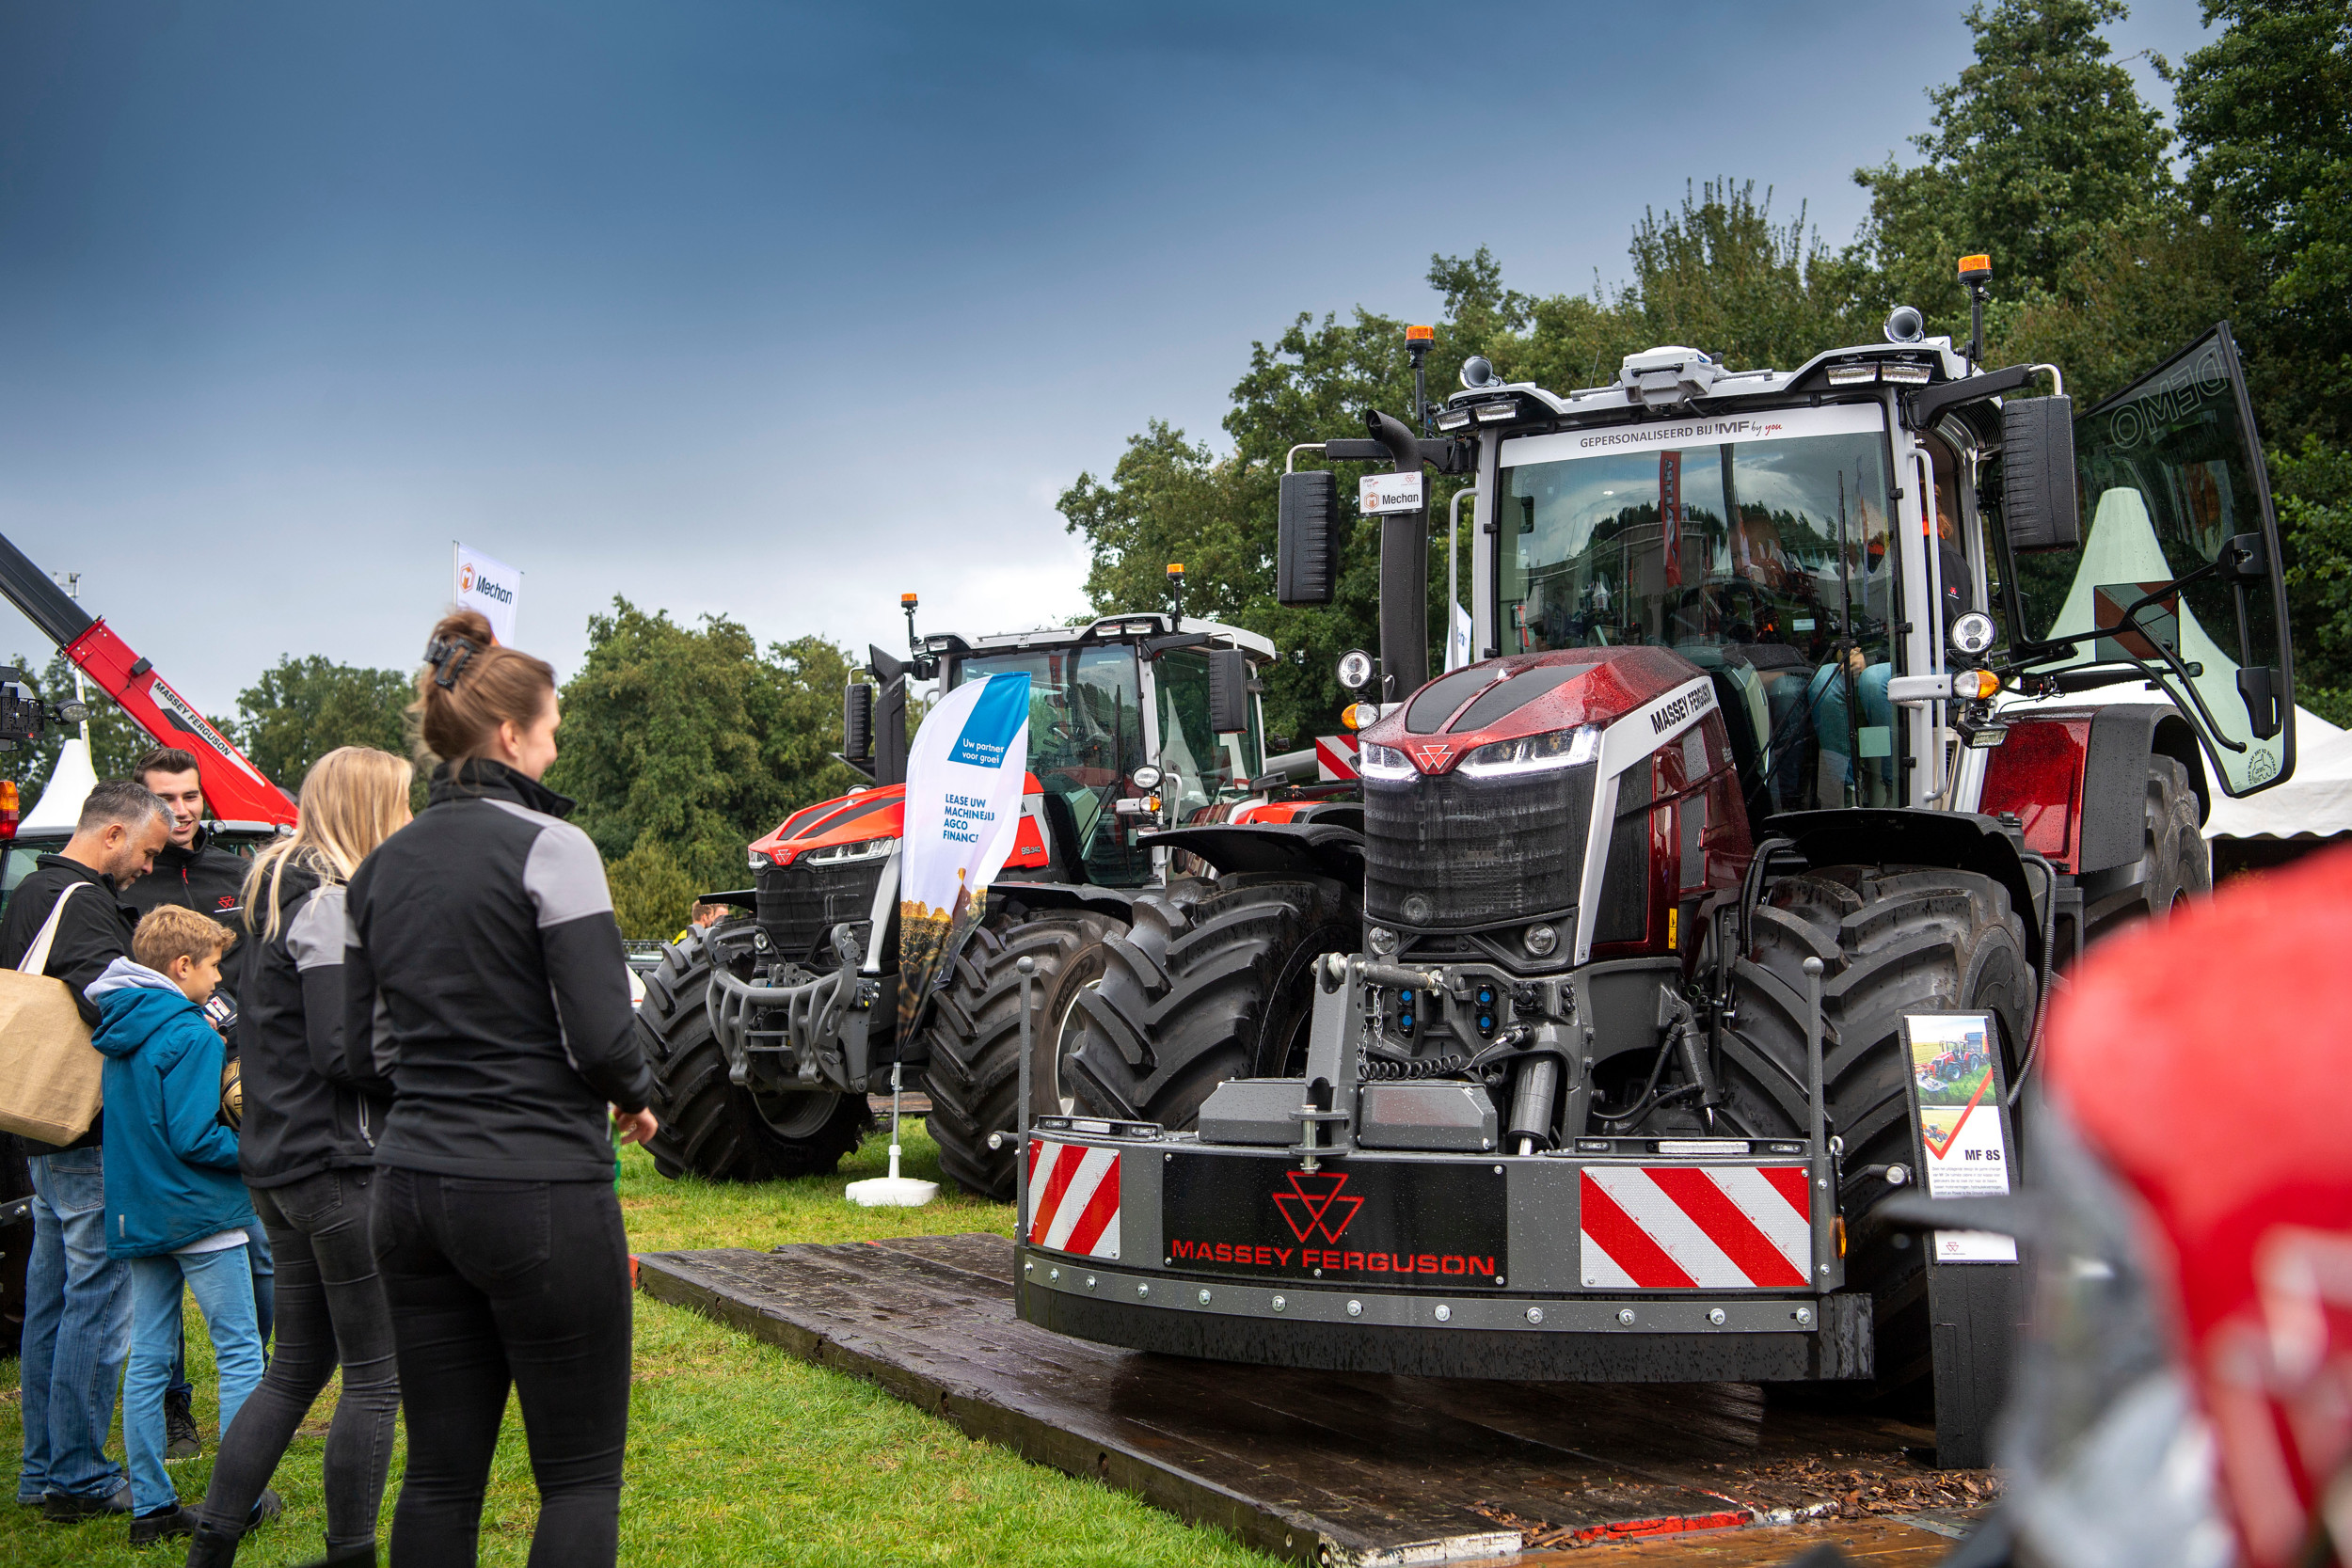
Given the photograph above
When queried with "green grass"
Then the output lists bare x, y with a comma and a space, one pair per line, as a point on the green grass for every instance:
737, 1453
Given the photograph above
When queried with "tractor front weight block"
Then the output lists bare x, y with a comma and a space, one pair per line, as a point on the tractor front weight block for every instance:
1629, 1265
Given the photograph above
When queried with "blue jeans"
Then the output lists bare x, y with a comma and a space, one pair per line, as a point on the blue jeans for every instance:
78, 1330
264, 1307
222, 1283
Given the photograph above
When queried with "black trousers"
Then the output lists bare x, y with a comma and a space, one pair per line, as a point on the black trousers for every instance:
496, 1285
330, 1312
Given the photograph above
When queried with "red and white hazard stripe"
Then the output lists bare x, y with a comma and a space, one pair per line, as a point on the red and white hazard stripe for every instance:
1707, 1228
1073, 1198
1335, 757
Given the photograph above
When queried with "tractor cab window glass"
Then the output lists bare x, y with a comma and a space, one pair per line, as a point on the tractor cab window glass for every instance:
1767, 559
1203, 767
2168, 473
1956, 575
1086, 737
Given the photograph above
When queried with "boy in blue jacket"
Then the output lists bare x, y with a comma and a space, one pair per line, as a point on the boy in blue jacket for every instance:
175, 1206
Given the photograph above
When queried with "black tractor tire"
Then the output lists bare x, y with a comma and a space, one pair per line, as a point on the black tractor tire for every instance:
973, 1032
1892, 940
1199, 991
710, 1127
2176, 863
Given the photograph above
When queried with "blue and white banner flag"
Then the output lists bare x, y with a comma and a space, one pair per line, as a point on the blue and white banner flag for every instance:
964, 777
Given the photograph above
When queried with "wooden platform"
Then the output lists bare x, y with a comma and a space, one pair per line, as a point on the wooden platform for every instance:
1331, 1468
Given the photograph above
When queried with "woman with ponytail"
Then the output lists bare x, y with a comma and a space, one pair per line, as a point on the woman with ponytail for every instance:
307, 1150
485, 978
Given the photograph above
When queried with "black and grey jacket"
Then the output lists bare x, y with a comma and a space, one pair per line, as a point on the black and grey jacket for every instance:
486, 929
304, 1111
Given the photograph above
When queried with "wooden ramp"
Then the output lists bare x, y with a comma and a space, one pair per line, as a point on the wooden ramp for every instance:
1323, 1467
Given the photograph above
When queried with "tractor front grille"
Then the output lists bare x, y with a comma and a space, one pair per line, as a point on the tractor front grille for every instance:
1481, 851
799, 905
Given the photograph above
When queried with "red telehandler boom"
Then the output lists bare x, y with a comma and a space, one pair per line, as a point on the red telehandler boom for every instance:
234, 788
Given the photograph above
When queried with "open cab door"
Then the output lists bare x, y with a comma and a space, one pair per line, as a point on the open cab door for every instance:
2176, 578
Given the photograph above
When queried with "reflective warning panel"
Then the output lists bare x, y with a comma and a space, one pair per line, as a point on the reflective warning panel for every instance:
1440, 1224
1073, 1198
1702, 1228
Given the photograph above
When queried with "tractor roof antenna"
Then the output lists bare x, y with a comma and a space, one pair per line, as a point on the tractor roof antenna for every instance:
1417, 344
906, 602
1975, 271
1176, 588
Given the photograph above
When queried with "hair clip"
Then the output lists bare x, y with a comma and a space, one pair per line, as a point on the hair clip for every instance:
448, 656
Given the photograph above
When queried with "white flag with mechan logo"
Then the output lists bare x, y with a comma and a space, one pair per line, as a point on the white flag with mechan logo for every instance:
964, 777
484, 584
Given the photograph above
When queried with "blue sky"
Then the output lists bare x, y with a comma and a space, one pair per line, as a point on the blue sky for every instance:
777, 311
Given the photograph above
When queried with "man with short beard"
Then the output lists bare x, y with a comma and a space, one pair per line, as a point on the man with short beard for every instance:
77, 1309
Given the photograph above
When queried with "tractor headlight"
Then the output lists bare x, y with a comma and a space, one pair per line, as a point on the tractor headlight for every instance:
1541, 940
1381, 939
1534, 753
1382, 761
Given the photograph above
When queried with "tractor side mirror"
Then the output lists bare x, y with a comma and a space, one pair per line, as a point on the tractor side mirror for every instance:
857, 726
1306, 558
1228, 690
2039, 505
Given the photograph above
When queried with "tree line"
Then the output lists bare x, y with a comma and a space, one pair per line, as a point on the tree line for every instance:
2117, 235
2118, 231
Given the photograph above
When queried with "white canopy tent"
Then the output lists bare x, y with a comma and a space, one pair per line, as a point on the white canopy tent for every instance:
60, 805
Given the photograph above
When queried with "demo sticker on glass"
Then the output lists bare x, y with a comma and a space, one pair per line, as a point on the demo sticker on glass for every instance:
1379, 493
1958, 1113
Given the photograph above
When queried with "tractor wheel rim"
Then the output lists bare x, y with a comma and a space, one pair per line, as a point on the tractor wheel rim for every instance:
1062, 1096
795, 1114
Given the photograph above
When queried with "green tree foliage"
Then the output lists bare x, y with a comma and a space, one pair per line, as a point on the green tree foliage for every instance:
302, 708
2265, 111
689, 742
2041, 150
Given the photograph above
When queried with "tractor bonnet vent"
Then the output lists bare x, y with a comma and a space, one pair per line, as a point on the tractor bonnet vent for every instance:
1436, 702
1515, 694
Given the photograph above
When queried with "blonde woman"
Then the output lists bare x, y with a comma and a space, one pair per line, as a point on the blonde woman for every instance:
307, 1152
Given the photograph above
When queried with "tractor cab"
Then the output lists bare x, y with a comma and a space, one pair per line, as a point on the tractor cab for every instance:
1114, 698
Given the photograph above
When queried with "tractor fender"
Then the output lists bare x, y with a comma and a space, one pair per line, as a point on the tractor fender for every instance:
1084, 897
1917, 835
2125, 739
1327, 850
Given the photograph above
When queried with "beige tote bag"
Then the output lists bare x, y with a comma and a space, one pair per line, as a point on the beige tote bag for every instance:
49, 1071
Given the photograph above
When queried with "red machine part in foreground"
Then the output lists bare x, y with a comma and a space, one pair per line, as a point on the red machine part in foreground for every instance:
234, 789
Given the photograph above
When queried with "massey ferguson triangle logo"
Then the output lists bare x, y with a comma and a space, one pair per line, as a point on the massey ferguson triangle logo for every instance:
1315, 1203
1431, 754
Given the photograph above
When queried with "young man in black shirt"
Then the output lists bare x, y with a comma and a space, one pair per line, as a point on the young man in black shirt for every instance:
77, 1316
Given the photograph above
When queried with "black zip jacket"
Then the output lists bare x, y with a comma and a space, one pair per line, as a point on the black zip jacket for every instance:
200, 877
304, 1113
93, 932
486, 929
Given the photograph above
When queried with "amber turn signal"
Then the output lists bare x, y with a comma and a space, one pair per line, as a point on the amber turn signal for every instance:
1356, 715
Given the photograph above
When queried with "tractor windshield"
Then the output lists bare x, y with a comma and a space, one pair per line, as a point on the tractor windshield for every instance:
1755, 548
1086, 736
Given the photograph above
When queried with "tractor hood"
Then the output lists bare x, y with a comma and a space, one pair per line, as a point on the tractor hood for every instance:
1528, 697
864, 823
